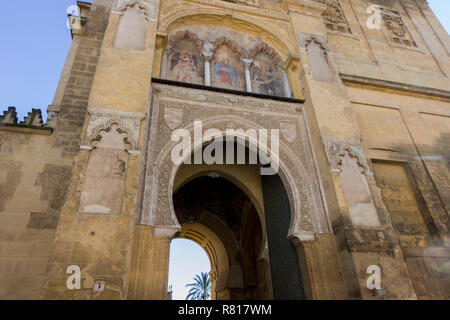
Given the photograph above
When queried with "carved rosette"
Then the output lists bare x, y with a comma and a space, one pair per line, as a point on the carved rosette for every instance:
104, 119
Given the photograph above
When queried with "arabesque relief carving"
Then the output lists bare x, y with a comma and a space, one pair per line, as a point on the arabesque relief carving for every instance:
213, 109
334, 17
395, 29
128, 123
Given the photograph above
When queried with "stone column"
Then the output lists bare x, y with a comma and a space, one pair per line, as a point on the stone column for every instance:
164, 65
248, 79
207, 57
160, 56
322, 278
286, 85
150, 264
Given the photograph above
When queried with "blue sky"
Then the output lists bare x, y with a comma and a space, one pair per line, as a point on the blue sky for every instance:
35, 42
187, 259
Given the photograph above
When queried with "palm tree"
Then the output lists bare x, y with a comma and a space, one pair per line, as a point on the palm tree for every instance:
201, 288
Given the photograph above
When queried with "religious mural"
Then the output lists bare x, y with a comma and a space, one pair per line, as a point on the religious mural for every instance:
185, 64
266, 76
227, 70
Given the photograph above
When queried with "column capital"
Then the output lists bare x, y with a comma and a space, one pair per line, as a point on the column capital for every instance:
168, 232
302, 238
207, 56
247, 62
292, 62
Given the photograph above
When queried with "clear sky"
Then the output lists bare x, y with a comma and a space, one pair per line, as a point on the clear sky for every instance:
187, 259
35, 42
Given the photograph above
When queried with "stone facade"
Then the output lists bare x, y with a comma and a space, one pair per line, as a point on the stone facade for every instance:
363, 120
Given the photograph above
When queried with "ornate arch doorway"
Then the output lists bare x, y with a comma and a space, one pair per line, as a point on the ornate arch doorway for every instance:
289, 207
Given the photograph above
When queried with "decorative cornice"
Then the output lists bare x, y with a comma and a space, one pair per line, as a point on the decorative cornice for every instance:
397, 86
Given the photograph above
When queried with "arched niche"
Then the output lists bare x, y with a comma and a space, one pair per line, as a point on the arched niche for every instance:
132, 30
184, 61
267, 74
227, 70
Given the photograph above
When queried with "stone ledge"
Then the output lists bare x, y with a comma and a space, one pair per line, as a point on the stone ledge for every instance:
26, 129
392, 85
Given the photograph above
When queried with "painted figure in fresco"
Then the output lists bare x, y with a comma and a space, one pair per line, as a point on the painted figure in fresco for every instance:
184, 66
267, 79
224, 73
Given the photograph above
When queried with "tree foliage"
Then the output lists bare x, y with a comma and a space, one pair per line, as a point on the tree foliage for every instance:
200, 288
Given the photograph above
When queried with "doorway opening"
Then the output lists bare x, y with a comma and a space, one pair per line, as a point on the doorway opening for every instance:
187, 260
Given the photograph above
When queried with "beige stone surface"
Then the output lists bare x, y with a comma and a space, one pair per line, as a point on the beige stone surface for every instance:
364, 159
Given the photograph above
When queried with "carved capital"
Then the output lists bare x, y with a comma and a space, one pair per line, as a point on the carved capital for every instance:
247, 62
166, 232
293, 62
301, 238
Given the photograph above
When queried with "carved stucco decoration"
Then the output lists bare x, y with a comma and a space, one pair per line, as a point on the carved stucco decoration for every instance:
215, 110
185, 35
336, 149
148, 7
317, 51
397, 32
267, 50
334, 17
104, 119
234, 47
305, 39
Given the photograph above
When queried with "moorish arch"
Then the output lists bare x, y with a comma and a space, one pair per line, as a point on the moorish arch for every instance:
304, 222
295, 217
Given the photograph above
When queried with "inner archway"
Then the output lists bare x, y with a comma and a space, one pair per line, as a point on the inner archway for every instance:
221, 218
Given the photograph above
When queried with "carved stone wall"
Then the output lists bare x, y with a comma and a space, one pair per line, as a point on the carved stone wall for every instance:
111, 137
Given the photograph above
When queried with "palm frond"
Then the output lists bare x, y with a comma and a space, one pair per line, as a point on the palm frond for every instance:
200, 288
